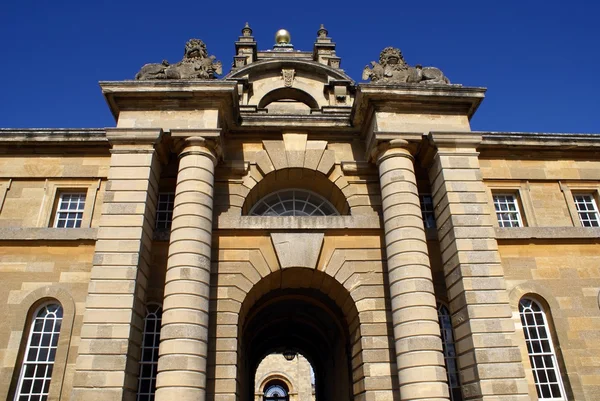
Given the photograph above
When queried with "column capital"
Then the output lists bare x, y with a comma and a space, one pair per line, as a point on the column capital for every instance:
379, 142
185, 140
391, 148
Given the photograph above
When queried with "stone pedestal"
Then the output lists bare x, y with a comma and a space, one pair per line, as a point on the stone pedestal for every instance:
106, 366
488, 357
419, 356
184, 332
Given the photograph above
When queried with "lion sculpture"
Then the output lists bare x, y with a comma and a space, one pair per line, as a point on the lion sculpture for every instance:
392, 69
195, 65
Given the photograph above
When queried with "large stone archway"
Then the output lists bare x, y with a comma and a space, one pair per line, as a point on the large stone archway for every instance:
296, 314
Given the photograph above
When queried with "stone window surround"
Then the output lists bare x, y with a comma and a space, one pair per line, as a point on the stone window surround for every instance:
4, 187
570, 188
21, 315
521, 192
52, 191
276, 376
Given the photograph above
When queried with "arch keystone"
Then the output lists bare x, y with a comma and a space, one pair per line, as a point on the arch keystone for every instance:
297, 249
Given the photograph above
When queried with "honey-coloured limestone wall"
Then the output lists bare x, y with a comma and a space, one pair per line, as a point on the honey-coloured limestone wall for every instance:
565, 278
35, 272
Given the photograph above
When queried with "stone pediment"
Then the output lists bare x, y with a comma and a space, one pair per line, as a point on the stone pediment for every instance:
285, 81
293, 86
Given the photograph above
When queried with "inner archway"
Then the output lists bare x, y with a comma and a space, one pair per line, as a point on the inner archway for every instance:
302, 321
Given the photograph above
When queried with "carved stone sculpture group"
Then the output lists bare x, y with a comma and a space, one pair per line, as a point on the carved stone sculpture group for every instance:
392, 69
196, 64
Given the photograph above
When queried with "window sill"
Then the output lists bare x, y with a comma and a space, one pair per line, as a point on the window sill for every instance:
47, 234
547, 233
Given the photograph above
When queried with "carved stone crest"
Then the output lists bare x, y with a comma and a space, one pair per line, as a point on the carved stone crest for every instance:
196, 64
288, 76
392, 69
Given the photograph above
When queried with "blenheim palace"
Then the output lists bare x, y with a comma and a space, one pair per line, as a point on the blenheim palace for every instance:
281, 232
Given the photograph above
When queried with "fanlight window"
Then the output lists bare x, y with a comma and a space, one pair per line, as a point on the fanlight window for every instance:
548, 382
293, 202
275, 392
38, 361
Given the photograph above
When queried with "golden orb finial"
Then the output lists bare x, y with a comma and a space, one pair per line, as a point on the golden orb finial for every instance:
282, 37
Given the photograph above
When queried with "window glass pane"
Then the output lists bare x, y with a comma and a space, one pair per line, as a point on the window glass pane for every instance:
587, 210
164, 210
36, 371
507, 210
427, 210
149, 359
296, 202
449, 352
70, 210
541, 351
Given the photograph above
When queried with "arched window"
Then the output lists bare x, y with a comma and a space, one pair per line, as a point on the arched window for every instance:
546, 374
276, 391
38, 361
293, 202
149, 358
449, 352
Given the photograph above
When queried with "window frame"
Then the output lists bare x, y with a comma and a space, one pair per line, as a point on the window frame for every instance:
453, 396
425, 212
595, 210
324, 201
58, 210
23, 362
168, 221
157, 318
272, 383
552, 353
516, 202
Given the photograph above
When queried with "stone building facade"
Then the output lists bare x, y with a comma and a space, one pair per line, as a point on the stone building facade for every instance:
286, 208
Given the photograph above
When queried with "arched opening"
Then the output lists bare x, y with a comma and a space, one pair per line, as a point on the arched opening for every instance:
545, 359
289, 371
288, 101
292, 318
297, 179
276, 390
293, 202
38, 357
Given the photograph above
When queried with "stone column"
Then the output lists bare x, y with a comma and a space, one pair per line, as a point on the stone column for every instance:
106, 366
420, 361
488, 358
184, 332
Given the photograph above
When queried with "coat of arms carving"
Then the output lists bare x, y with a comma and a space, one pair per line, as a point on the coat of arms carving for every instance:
288, 76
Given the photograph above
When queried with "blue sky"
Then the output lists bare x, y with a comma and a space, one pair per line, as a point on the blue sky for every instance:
540, 60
